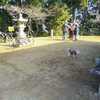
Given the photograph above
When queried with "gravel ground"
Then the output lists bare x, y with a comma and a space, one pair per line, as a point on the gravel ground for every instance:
44, 72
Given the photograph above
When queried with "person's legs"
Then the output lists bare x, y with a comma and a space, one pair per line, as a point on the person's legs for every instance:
75, 37
71, 37
64, 36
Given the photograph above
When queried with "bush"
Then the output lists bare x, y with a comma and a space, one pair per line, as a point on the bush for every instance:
96, 31
83, 31
89, 31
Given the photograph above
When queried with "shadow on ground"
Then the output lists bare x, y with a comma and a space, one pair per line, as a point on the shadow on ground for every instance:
46, 73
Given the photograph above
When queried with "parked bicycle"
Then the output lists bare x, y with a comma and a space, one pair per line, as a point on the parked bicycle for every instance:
6, 37
18, 41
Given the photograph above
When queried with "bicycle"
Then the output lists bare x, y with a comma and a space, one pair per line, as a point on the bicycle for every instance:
28, 40
5, 37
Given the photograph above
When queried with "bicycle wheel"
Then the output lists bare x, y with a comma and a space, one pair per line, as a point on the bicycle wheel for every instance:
9, 38
30, 37
1, 38
31, 40
12, 44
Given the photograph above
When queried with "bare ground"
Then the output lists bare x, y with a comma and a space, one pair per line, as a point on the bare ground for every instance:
44, 72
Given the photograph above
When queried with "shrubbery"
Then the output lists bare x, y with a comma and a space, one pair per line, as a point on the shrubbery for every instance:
89, 31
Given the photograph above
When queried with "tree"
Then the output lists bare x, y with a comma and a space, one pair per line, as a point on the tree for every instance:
4, 2
75, 4
89, 18
99, 14
59, 15
5, 17
56, 14
5, 20
37, 14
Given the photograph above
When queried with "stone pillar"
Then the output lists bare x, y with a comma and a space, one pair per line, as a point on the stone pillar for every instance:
52, 33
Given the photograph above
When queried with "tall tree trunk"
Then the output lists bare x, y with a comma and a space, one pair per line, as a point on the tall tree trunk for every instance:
18, 3
99, 14
74, 15
29, 2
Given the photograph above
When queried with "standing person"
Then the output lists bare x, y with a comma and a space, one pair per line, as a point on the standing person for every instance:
75, 32
65, 28
71, 32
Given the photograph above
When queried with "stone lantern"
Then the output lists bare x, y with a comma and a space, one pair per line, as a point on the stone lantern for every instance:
21, 36
21, 25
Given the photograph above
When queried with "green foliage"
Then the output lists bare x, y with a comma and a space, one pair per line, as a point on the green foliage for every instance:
4, 2
83, 3
96, 31
89, 23
83, 31
36, 3
5, 20
76, 3
60, 15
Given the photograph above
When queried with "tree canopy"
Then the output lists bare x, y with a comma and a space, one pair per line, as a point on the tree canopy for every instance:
52, 13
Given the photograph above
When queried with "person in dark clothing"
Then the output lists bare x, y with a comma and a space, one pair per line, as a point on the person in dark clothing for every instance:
71, 32
65, 28
75, 32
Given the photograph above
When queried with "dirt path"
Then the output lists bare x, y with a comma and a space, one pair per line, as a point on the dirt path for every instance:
44, 72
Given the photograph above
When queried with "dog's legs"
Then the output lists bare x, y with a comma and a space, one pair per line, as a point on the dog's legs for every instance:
68, 54
73, 56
